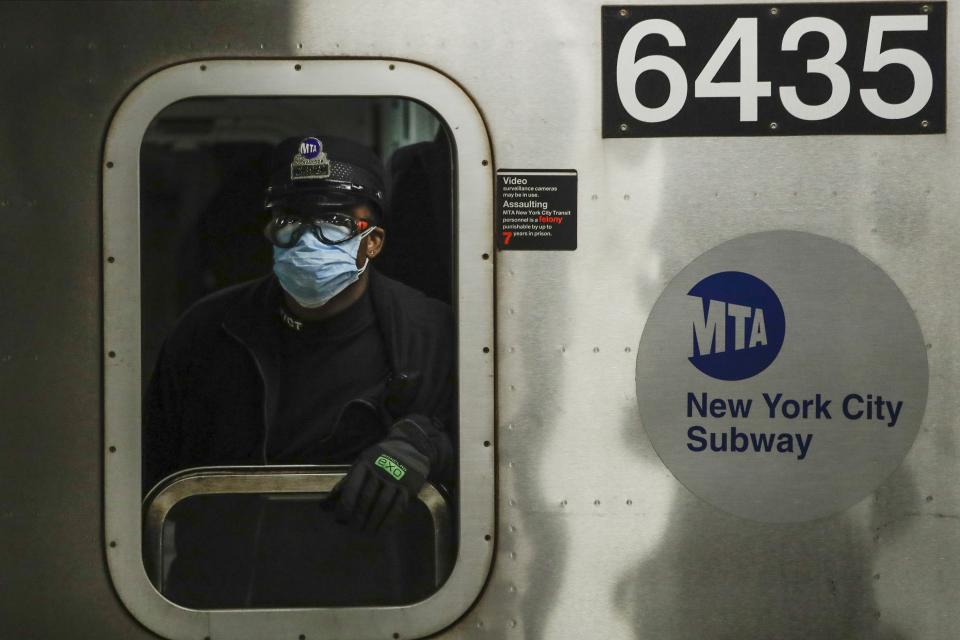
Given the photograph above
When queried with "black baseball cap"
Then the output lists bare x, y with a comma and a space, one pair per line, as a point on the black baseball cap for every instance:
323, 172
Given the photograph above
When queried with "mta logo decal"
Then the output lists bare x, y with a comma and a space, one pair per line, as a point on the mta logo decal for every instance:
737, 325
310, 148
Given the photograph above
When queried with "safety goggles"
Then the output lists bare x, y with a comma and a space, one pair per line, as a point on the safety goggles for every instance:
286, 228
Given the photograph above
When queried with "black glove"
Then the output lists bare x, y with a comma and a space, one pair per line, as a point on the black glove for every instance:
381, 483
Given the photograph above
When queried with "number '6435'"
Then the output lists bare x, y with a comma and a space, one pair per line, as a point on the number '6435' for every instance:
749, 88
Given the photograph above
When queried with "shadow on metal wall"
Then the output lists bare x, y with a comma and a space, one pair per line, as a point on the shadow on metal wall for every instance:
718, 577
714, 575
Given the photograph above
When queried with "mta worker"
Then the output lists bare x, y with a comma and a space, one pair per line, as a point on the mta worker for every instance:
323, 361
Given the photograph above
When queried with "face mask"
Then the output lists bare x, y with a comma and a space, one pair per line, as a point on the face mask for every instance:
313, 272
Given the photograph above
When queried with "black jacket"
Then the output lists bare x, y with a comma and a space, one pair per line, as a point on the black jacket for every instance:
213, 390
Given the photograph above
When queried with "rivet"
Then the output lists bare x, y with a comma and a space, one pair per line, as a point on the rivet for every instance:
486, 443
392, 67
626, 349
623, 13
596, 349
484, 162
624, 127
203, 67
110, 165
594, 197
563, 503
924, 124
596, 503
111, 259
113, 449
297, 67
774, 126
113, 544
774, 11
626, 196
487, 537
629, 502
485, 256
112, 354
926, 8
486, 349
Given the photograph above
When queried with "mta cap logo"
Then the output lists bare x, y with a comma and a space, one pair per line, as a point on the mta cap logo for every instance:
311, 148
310, 162
737, 325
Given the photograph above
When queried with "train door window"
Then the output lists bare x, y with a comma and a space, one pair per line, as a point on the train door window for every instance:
288, 344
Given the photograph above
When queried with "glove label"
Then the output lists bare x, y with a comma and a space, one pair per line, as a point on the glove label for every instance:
391, 466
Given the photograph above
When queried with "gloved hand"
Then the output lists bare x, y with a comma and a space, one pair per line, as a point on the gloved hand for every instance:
381, 483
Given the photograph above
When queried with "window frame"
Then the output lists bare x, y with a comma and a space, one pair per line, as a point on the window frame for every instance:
122, 370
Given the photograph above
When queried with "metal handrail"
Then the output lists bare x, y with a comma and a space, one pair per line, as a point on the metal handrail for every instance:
302, 480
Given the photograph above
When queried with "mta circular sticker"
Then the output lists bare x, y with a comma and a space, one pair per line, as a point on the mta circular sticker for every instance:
782, 376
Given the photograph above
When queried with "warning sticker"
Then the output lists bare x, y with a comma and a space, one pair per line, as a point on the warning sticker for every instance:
537, 209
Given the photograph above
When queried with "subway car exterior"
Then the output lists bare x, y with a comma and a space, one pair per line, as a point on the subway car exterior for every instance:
702, 265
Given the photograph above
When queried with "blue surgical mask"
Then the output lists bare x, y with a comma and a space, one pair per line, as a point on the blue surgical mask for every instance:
313, 272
